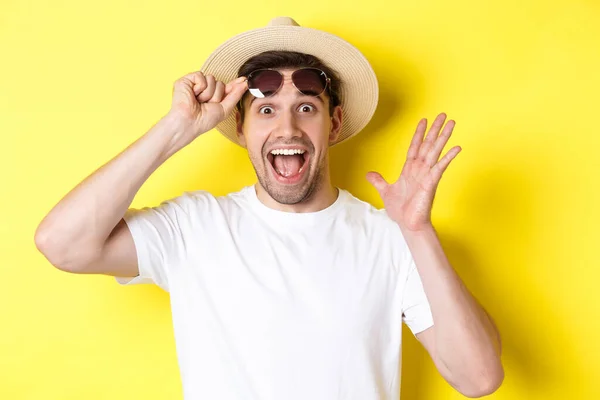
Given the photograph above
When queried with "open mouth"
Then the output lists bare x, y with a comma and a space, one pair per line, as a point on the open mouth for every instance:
288, 165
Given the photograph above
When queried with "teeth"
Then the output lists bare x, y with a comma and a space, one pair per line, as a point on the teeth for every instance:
286, 152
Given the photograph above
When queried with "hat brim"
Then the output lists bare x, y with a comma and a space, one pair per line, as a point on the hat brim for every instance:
359, 90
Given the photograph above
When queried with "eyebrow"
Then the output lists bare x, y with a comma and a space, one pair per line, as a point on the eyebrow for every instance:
297, 96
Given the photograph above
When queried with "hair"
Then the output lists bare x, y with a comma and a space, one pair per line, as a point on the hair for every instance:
279, 59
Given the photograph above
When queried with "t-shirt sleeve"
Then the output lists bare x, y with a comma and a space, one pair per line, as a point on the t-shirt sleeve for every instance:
158, 236
416, 312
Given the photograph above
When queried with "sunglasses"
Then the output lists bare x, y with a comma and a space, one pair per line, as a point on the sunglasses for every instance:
266, 82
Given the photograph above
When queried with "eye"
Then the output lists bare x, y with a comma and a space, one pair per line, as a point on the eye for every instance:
306, 108
265, 110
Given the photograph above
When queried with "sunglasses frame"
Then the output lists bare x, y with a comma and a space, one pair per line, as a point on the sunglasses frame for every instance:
327, 79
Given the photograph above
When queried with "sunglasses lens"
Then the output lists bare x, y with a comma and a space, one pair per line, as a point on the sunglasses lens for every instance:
310, 81
264, 83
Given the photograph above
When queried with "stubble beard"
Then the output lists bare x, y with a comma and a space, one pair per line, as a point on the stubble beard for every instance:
291, 194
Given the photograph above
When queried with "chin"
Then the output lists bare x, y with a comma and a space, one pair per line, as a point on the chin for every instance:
284, 192
294, 188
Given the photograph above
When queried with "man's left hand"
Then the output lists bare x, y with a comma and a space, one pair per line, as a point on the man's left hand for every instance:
409, 200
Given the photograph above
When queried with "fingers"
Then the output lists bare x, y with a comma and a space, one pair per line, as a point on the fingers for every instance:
415, 144
429, 148
206, 88
186, 88
439, 168
234, 92
219, 93
435, 128
233, 83
431, 135
434, 153
202, 86
195, 82
209, 90
378, 182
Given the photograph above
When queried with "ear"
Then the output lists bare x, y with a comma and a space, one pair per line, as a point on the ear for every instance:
239, 129
336, 124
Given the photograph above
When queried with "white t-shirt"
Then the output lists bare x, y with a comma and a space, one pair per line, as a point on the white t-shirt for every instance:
272, 305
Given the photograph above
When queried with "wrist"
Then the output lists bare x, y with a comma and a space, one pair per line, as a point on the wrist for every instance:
174, 123
171, 132
416, 230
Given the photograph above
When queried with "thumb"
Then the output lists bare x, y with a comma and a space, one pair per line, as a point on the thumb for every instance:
377, 181
233, 93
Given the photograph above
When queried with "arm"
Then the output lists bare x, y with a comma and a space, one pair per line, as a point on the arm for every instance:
76, 230
84, 232
463, 343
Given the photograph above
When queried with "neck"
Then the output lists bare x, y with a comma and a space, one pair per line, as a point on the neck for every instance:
325, 196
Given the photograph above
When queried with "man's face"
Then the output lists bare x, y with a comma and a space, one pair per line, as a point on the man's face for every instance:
287, 137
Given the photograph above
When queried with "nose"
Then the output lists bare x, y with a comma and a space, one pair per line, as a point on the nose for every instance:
287, 123
287, 126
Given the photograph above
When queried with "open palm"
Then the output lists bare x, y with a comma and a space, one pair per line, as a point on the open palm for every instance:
409, 200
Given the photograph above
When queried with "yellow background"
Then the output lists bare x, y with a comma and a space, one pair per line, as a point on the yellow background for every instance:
517, 210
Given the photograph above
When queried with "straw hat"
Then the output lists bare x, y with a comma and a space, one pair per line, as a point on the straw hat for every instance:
359, 91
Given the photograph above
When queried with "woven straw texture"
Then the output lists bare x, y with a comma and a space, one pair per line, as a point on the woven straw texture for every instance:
359, 89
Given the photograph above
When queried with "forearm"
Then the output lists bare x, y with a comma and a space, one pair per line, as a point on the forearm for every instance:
78, 225
466, 339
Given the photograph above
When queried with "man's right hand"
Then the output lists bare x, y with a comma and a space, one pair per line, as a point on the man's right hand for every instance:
201, 102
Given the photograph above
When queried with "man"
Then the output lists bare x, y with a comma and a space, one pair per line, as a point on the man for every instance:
291, 288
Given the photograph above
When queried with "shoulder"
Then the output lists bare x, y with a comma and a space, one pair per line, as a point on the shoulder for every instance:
193, 209
377, 225
200, 201
366, 212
